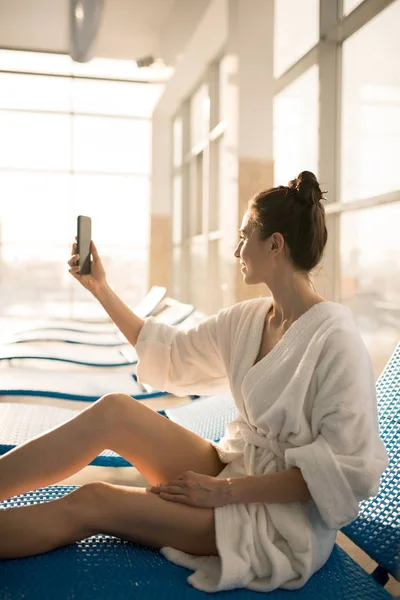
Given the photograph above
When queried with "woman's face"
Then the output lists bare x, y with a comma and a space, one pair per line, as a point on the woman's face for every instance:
252, 252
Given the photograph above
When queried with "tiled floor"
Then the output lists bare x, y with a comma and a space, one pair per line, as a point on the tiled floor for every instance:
393, 586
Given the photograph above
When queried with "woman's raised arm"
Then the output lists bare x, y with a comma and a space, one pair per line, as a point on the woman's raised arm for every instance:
126, 320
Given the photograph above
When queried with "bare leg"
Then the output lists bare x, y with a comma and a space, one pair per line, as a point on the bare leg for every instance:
159, 448
133, 514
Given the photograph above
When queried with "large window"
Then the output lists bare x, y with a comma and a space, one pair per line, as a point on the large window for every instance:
199, 155
296, 30
296, 128
370, 182
371, 108
337, 113
349, 5
74, 140
370, 285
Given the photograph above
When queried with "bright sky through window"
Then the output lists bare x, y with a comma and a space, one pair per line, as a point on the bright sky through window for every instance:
69, 146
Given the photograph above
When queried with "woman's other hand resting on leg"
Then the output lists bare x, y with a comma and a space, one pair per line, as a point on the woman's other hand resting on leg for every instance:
204, 491
195, 489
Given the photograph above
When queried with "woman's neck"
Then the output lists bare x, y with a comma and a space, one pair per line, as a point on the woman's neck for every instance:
291, 299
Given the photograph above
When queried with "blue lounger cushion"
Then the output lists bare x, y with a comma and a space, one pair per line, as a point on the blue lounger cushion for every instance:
82, 386
105, 567
207, 416
377, 528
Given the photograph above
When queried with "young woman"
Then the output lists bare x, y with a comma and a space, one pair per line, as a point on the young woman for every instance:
261, 508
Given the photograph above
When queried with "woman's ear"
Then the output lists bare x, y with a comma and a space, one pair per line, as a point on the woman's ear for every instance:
278, 241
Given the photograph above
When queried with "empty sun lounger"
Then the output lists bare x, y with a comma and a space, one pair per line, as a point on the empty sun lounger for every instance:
90, 356
145, 308
173, 313
82, 386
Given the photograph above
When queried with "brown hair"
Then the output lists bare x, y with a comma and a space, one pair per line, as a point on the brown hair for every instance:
297, 213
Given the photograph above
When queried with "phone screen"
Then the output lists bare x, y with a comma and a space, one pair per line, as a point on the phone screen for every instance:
84, 243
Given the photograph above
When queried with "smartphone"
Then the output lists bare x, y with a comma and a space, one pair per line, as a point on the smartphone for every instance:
84, 244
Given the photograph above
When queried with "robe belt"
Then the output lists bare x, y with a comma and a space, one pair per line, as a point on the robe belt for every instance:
251, 437
275, 452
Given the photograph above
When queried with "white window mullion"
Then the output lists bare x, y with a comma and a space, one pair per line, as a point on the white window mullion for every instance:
329, 59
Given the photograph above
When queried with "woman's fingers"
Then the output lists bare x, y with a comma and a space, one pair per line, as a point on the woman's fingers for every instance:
93, 250
167, 489
73, 260
175, 498
170, 487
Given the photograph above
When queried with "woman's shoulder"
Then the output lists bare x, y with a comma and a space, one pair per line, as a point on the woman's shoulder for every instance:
342, 321
342, 338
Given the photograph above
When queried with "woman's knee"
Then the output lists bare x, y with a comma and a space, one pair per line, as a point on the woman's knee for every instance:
115, 406
86, 505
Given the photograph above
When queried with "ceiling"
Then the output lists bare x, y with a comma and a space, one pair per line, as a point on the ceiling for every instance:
130, 29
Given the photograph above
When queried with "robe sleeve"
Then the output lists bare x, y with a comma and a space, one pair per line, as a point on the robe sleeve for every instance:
344, 463
183, 362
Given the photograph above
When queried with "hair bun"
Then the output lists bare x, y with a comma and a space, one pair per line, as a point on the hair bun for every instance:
307, 187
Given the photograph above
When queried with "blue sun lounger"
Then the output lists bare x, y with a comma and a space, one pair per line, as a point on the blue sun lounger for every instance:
145, 308
377, 528
80, 354
173, 313
104, 566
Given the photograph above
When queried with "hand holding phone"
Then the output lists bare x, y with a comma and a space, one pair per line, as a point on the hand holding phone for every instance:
84, 243
90, 273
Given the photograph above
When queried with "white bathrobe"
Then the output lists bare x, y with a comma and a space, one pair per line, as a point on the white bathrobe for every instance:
309, 403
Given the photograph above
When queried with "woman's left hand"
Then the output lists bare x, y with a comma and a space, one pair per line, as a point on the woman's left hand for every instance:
195, 489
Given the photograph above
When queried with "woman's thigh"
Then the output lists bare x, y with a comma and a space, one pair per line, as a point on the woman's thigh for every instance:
137, 515
158, 447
